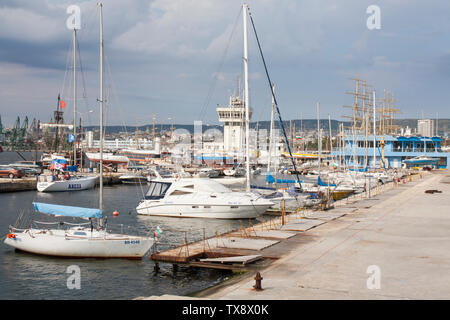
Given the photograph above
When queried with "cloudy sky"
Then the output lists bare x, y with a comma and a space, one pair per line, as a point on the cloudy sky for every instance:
178, 59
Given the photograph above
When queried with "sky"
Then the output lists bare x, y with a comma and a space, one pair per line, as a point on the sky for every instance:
176, 60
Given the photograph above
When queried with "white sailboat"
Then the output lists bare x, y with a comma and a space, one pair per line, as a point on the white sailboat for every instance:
80, 241
77, 241
74, 183
55, 182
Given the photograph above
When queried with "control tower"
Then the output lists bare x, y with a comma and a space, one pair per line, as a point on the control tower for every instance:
233, 118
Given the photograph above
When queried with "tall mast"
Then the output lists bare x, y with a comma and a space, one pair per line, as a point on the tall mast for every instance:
319, 142
329, 126
271, 146
100, 204
75, 96
246, 95
374, 129
341, 144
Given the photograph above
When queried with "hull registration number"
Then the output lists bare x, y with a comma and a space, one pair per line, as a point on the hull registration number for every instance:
132, 241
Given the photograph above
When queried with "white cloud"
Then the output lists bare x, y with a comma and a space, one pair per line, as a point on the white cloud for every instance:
157, 48
23, 25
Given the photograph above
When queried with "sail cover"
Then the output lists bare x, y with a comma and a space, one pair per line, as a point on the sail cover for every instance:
68, 211
271, 179
323, 184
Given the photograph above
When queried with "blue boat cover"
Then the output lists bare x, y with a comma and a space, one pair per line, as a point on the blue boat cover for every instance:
271, 179
323, 184
61, 161
68, 211
359, 170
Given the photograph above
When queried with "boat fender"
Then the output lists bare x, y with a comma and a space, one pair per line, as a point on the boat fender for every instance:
11, 236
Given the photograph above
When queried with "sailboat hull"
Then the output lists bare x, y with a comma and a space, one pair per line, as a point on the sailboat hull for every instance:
74, 184
57, 243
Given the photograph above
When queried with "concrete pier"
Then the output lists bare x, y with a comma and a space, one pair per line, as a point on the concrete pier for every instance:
22, 184
393, 246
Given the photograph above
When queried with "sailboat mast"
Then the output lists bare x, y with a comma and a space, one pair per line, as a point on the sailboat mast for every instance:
75, 96
374, 129
100, 204
271, 145
319, 140
329, 126
246, 96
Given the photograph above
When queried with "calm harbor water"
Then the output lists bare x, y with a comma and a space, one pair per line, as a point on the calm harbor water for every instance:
29, 276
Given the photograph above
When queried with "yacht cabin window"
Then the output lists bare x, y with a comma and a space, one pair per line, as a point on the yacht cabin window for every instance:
157, 190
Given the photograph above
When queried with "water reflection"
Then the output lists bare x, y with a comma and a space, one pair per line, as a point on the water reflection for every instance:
29, 276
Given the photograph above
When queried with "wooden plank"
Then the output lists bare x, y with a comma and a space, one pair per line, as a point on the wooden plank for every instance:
241, 243
216, 266
270, 234
236, 259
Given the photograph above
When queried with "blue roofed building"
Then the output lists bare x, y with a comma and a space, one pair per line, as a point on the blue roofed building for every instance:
390, 151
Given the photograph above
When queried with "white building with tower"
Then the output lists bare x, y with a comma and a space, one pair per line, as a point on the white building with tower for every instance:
233, 119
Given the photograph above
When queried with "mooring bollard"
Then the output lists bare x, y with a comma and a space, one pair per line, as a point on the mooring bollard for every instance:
258, 279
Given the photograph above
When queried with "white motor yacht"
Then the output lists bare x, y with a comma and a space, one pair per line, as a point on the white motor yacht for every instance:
200, 198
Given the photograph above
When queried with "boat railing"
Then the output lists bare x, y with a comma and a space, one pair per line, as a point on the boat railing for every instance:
428, 150
59, 224
14, 229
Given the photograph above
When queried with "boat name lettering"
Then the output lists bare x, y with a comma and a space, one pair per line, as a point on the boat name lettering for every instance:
132, 241
75, 186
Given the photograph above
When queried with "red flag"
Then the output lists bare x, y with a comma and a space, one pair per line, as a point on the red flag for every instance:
63, 104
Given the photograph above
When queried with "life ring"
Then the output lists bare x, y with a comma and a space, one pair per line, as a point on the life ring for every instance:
11, 236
